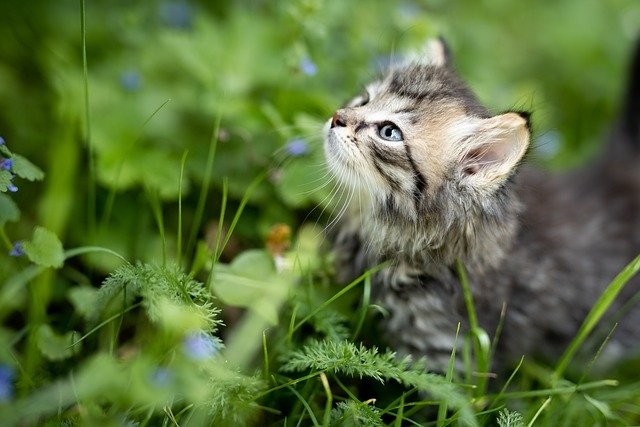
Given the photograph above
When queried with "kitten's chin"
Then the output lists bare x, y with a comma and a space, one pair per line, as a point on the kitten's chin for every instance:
337, 159
340, 167
339, 170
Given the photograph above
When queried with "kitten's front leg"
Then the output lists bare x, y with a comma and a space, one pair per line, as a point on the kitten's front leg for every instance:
351, 257
424, 313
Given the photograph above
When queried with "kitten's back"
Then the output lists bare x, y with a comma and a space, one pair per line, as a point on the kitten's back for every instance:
583, 227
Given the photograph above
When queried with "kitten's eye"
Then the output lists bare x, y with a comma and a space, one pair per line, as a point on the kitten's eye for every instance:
390, 132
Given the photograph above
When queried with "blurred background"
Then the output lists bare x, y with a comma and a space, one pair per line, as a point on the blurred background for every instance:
162, 74
151, 118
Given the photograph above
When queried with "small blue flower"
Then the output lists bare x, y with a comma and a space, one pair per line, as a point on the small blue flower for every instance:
177, 14
308, 67
6, 382
6, 164
130, 80
297, 147
17, 249
409, 10
161, 377
12, 188
200, 345
1, 141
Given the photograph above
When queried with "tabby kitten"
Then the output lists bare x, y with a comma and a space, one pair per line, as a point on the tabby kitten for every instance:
437, 178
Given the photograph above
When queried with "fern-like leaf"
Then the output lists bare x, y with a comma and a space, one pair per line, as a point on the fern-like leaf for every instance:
351, 413
156, 285
331, 324
346, 358
232, 395
507, 418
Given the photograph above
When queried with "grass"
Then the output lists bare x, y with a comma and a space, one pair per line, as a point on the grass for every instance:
203, 295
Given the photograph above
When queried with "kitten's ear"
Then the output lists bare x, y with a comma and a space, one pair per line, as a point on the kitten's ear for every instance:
436, 52
494, 149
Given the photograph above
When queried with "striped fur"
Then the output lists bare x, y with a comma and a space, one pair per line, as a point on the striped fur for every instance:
450, 190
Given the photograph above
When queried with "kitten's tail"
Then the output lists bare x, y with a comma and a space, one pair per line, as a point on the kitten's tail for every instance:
629, 127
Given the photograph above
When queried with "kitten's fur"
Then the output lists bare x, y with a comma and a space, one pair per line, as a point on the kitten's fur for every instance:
546, 245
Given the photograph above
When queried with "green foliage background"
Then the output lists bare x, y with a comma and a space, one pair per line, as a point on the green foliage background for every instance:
168, 164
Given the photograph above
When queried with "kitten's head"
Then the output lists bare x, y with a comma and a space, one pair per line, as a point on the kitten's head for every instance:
421, 146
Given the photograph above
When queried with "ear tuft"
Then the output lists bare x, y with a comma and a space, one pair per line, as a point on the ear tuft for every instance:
495, 148
436, 52
526, 115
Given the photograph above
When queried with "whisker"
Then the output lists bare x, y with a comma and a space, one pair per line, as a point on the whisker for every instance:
343, 209
324, 203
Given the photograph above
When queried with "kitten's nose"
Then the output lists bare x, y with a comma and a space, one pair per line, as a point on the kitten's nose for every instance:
338, 120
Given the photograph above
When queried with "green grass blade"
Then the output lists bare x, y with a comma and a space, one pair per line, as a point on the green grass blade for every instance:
90, 249
400, 414
265, 356
443, 407
539, 411
156, 208
560, 390
366, 300
340, 293
292, 323
91, 179
480, 339
600, 307
306, 405
243, 203
11, 289
223, 210
111, 197
507, 383
204, 190
104, 323
288, 384
329, 403
179, 237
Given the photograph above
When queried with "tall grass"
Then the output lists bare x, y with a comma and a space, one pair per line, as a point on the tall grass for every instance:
187, 304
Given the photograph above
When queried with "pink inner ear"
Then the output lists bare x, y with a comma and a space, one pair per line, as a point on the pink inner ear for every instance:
496, 147
482, 156
471, 169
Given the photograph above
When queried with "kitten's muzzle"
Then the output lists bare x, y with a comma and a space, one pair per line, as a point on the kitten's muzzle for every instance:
338, 120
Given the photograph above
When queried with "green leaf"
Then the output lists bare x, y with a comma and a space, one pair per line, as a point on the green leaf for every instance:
9, 211
603, 407
251, 281
5, 180
345, 358
169, 296
305, 255
44, 248
254, 264
7, 338
353, 413
507, 418
55, 346
595, 314
25, 169
304, 181
83, 299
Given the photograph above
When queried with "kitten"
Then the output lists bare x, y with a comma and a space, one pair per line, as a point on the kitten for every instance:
437, 178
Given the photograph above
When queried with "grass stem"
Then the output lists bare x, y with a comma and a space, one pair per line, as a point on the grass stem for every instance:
595, 314
204, 189
480, 340
91, 179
